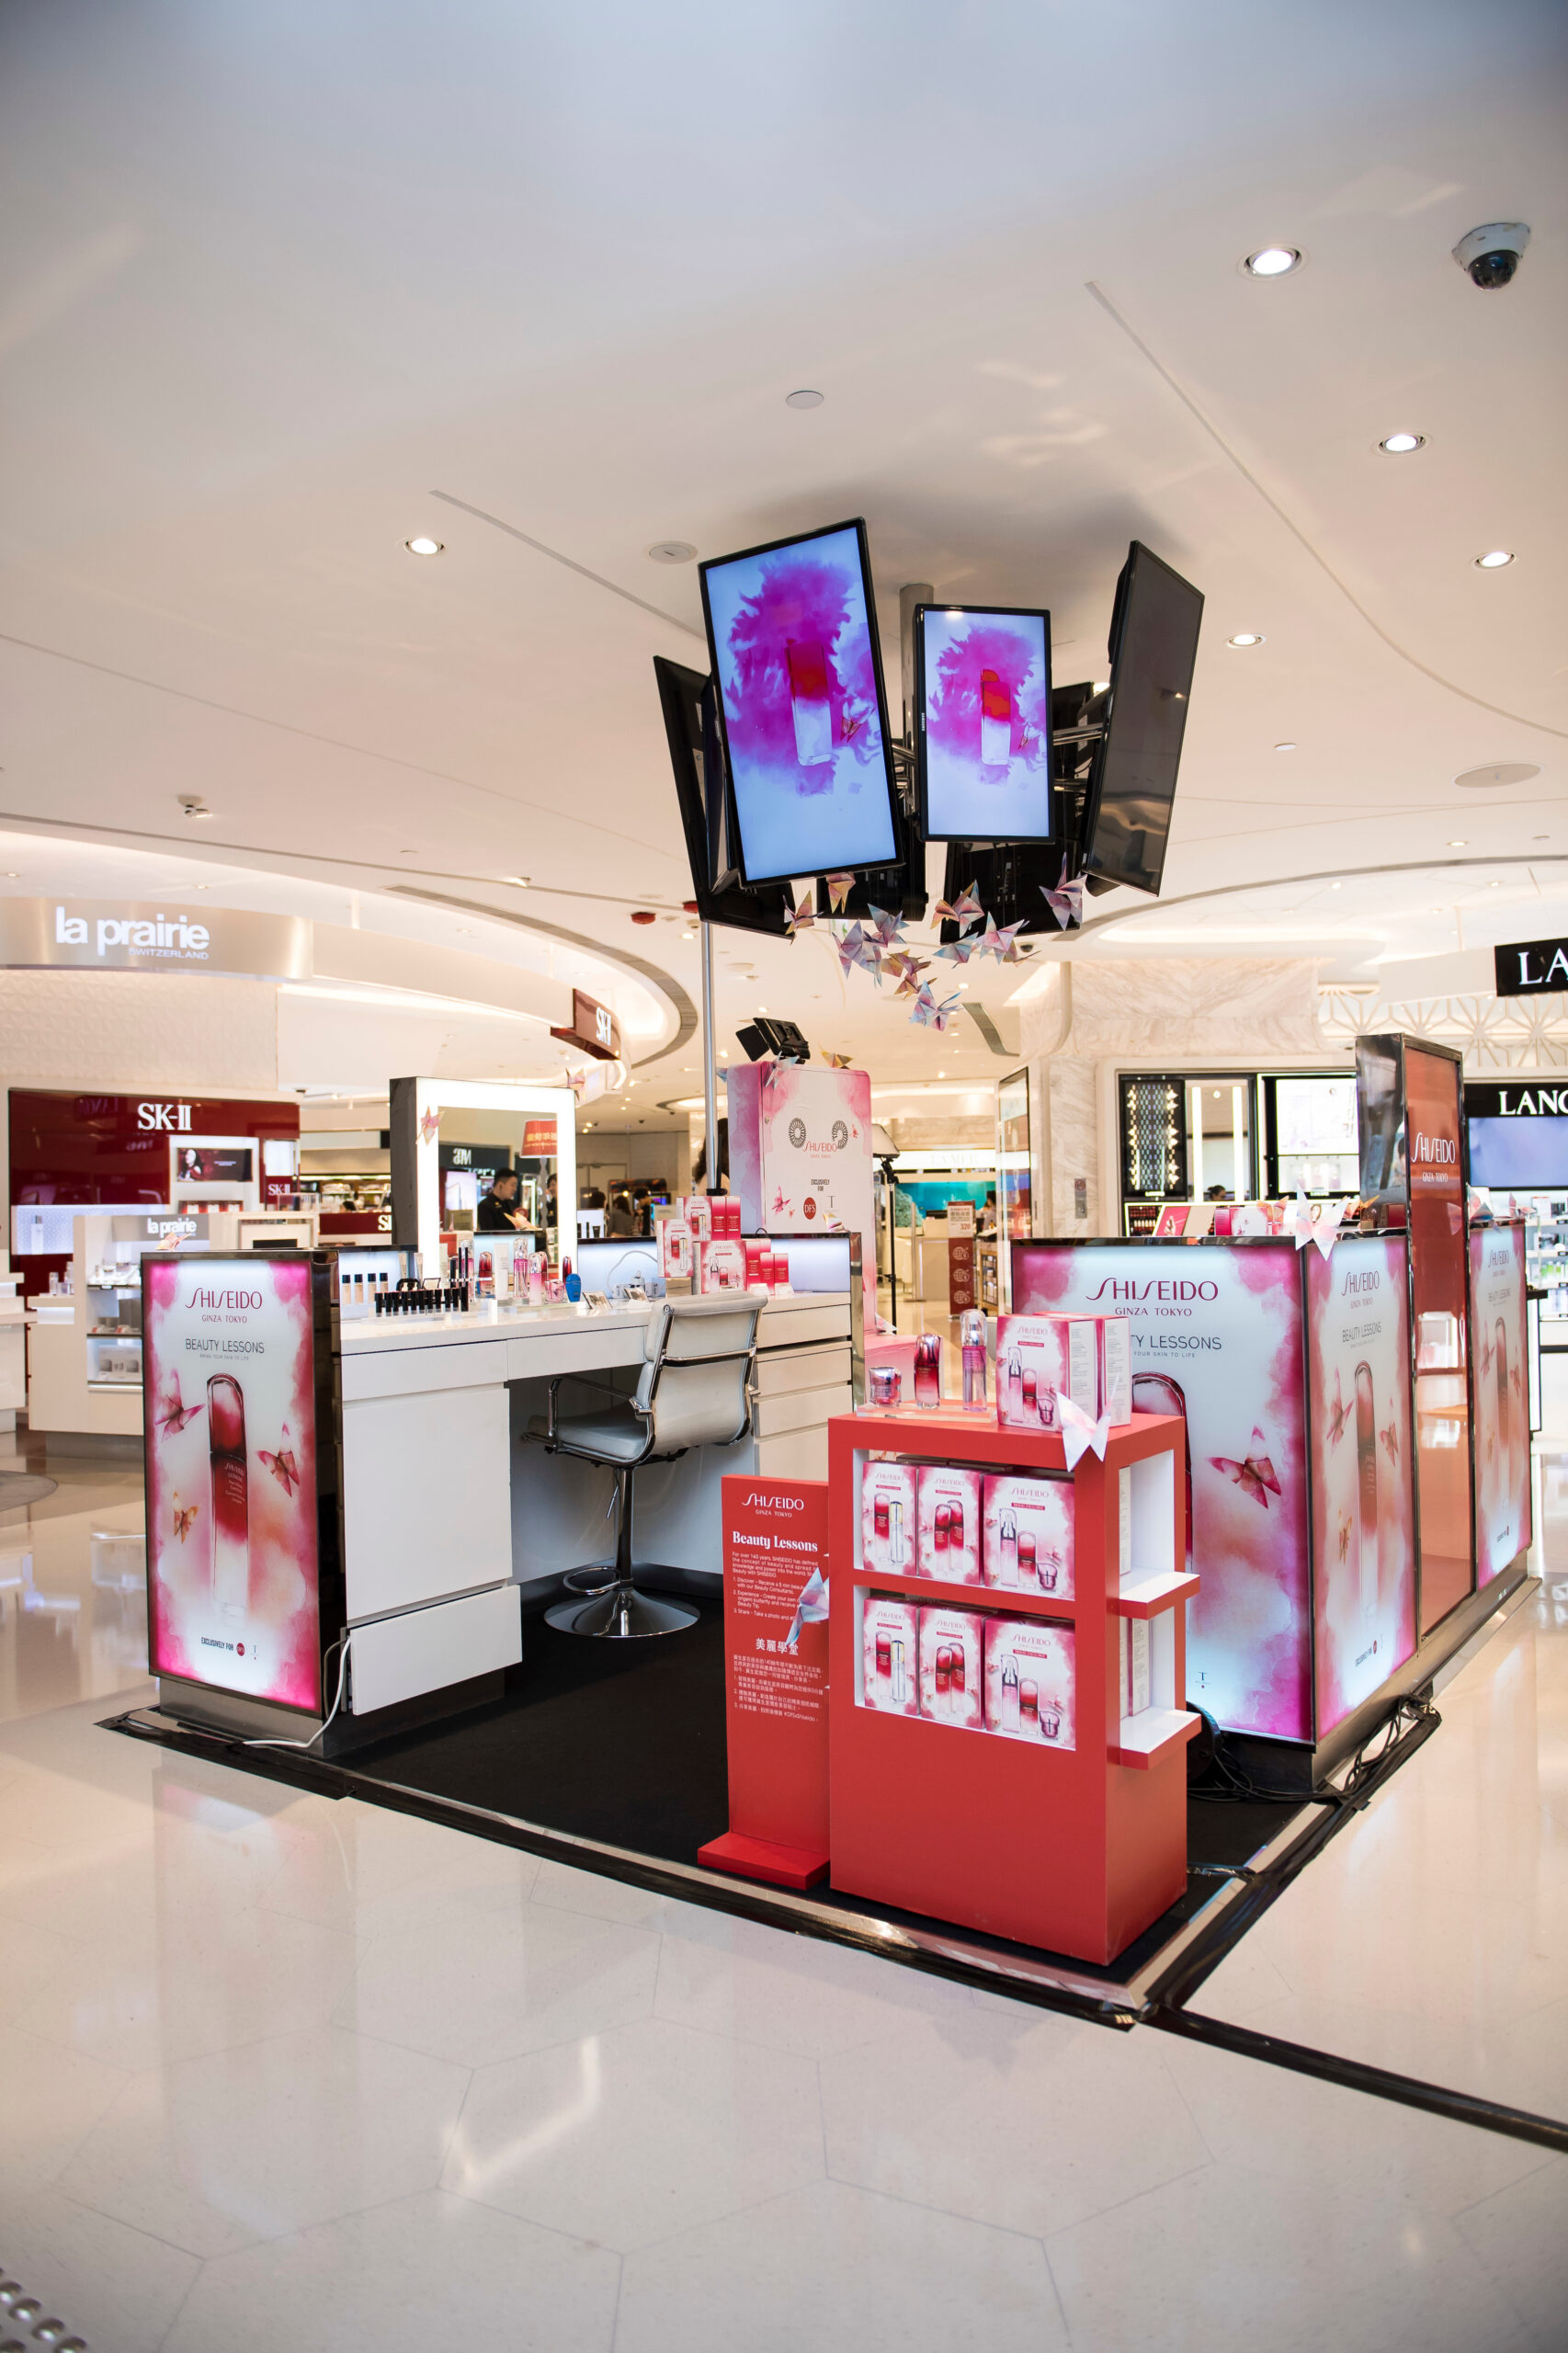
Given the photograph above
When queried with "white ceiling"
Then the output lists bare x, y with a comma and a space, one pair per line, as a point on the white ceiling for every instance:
274, 278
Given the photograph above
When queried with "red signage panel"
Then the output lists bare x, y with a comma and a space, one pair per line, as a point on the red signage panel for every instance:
776, 1555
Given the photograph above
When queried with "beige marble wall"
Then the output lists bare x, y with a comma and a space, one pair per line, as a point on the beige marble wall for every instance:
1088, 1019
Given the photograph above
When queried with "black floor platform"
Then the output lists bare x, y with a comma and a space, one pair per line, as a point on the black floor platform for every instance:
623, 1743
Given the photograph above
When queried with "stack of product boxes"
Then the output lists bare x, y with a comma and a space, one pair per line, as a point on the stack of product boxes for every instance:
1010, 1531
701, 1243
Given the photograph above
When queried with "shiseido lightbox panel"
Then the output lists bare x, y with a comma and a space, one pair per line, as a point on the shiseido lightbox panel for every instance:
1363, 1469
1501, 1431
1217, 1339
793, 638
228, 1374
983, 711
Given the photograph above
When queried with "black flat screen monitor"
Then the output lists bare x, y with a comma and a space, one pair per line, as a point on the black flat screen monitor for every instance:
792, 631
1518, 1135
1154, 645
983, 724
691, 709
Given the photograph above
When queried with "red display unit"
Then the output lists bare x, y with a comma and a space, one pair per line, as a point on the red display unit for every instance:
1074, 1848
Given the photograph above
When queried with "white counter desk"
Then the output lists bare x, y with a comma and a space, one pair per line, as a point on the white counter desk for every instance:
454, 1522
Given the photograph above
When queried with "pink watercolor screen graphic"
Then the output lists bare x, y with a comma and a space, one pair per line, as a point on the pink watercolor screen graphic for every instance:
1217, 1339
987, 726
1501, 1416
1363, 1499
231, 1442
797, 667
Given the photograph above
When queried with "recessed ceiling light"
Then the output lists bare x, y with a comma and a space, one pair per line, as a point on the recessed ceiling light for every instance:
672, 551
1284, 747
803, 400
12, 875
1401, 445
1245, 637
941, 1073
1273, 261
1459, 845
423, 547
1495, 886
1337, 886
519, 881
1494, 560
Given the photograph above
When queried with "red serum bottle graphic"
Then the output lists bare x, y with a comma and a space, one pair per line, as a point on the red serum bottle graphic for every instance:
1367, 1485
1500, 1365
808, 705
231, 1496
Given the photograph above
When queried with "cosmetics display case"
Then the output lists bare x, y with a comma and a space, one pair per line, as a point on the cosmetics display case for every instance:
1072, 1838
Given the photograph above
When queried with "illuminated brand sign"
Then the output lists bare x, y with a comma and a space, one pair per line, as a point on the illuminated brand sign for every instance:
1529, 1103
105, 935
172, 1118
1529, 965
1442, 1151
594, 1029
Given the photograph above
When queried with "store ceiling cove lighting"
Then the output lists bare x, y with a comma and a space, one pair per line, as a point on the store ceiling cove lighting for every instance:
1273, 261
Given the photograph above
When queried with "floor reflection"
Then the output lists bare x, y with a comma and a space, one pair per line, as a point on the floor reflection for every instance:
72, 1584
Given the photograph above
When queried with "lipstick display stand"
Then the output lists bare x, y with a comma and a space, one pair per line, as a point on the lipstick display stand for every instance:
1075, 1850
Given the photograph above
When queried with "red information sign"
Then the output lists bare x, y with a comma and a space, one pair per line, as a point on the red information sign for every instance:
776, 1680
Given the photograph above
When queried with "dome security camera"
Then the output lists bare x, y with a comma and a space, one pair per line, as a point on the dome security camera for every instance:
1491, 254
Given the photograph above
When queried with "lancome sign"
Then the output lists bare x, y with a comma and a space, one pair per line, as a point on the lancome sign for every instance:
110, 935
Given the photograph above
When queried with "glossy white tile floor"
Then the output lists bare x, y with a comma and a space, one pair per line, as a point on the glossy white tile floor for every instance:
282, 2072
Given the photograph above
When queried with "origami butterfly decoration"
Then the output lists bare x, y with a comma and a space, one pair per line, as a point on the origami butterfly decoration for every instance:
838, 889
1340, 1415
927, 1013
1001, 944
282, 1465
429, 1125
183, 1519
1390, 1441
1254, 1476
1066, 902
888, 929
837, 1061
964, 909
856, 949
958, 952
906, 971
800, 918
172, 1413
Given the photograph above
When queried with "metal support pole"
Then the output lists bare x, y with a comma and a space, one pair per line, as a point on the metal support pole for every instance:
710, 1075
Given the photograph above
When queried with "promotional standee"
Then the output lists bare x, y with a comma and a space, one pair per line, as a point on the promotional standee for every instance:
801, 1155
234, 1539
776, 1537
1290, 1373
1501, 1419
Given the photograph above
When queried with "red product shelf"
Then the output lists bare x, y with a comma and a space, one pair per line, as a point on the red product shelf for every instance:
1076, 1850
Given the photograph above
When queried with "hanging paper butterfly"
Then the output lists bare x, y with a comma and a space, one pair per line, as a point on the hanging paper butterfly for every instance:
855, 948
888, 929
800, 918
1066, 902
837, 1061
958, 952
282, 1465
429, 1125
172, 1412
1390, 1441
906, 971
929, 1013
183, 1519
1000, 943
965, 909
1341, 1413
838, 889
1256, 1476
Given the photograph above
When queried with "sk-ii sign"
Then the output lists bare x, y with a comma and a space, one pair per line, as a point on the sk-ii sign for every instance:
1528, 966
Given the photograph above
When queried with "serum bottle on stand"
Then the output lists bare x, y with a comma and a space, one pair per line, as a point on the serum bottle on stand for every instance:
972, 1340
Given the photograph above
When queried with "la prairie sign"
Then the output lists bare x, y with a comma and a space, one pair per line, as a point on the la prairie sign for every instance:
107, 935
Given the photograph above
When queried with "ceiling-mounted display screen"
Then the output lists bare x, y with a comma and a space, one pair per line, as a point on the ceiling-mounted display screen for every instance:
692, 729
983, 722
792, 631
1154, 645
1518, 1134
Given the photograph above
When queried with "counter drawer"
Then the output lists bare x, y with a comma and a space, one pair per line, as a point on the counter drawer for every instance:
426, 1650
822, 1366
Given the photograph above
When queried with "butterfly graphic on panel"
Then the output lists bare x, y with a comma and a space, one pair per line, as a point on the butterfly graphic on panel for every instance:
1255, 1475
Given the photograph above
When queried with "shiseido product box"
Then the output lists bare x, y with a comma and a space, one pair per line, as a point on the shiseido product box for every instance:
1039, 1359
721, 1266
951, 1661
1116, 1369
1026, 1533
949, 1507
1028, 1680
890, 1653
1133, 1645
887, 1519
697, 1210
676, 1256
